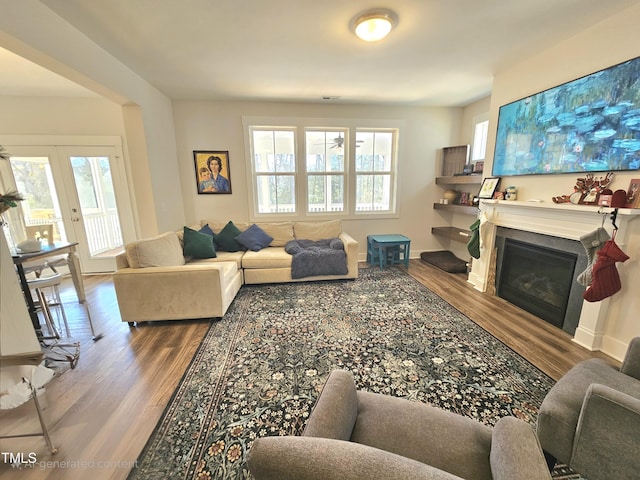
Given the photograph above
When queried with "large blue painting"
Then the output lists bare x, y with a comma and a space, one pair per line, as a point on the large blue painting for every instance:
591, 124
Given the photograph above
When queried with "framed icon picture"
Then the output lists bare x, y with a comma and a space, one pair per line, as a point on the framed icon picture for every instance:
212, 171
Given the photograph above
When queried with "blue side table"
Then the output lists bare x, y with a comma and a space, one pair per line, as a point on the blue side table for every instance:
388, 249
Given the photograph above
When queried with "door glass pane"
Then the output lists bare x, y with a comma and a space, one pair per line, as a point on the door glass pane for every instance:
94, 185
34, 181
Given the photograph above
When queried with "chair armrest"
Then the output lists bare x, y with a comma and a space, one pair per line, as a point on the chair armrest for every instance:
351, 250
122, 261
606, 444
516, 453
347, 239
307, 458
631, 364
169, 293
336, 410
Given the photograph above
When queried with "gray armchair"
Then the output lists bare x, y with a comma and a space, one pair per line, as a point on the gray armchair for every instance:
360, 435
590, 420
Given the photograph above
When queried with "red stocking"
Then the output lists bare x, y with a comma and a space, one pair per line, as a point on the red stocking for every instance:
606, 280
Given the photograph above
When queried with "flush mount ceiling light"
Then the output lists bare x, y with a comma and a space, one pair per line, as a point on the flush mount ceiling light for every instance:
374, 25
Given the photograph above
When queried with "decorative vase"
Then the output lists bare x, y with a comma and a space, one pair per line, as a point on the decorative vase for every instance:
450, 195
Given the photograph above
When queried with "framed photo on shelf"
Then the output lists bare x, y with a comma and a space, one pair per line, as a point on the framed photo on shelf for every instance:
633, 194
489, 186
604, 200
591, 197
212, 171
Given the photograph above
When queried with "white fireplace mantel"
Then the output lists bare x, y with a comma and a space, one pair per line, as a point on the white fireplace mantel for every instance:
562, 220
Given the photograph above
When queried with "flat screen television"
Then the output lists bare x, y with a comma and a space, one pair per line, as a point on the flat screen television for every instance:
591, 124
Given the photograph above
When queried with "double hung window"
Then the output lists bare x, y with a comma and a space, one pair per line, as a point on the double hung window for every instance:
302, 170
374, 170
274, 167
325, 170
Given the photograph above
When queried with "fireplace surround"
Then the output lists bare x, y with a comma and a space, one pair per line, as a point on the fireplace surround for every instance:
538, 273
563, 221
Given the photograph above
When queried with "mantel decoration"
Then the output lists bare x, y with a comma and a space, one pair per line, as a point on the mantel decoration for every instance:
489, 186
589, 190
633, 194
212, 171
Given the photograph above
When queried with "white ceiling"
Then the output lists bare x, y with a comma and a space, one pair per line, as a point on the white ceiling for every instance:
442, 52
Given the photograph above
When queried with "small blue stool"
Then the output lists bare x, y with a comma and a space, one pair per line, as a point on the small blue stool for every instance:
386, 250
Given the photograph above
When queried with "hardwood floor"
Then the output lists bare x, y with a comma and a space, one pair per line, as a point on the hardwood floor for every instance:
102, 412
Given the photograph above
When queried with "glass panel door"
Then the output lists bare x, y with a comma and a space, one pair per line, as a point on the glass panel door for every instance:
81, 190
33, 178
97, 196
94, 184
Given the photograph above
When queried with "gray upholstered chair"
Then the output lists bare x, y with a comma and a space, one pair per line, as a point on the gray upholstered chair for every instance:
360, 435
590, 419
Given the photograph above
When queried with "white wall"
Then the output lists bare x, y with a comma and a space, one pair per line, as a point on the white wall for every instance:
608, 43
218, 126
613, 41
60, 116
30, 29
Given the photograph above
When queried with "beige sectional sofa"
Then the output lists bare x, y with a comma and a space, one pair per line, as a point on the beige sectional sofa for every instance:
273, 264
154, 281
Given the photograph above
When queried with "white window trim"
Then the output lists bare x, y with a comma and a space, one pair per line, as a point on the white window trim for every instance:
300, 124
477, 120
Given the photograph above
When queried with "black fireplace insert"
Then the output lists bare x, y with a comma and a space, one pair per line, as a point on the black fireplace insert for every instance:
537, 279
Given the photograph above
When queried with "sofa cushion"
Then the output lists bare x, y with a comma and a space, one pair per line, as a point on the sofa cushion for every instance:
254, 238
317, 230
272, 257
226, 238
235, 257
197, 244
160, 251
281, 232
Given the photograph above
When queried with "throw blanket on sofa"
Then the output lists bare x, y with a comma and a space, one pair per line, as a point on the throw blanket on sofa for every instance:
317, 257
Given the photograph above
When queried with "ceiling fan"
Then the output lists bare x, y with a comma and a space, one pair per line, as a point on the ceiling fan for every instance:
338, 142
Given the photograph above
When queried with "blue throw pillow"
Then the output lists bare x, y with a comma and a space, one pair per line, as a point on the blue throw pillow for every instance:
207, 229
197, 245
226, 238
254, 238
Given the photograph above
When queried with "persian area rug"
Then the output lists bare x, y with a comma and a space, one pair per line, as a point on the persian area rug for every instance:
260, 369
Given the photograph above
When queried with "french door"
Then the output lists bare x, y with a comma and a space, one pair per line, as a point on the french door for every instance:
81, 190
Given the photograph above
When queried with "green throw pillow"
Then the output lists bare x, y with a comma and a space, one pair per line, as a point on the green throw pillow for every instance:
198, 245
226, 238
